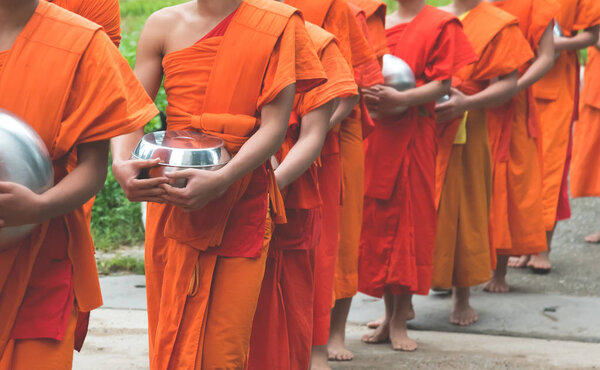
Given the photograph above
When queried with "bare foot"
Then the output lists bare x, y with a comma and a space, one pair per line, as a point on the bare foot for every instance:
594, 238
375, 323
497, 284
462, 312
318, 358
337, 351
398, 333
540, 263
518, 262
379, 335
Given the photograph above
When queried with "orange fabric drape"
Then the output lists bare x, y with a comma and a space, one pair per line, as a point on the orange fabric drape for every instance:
95, 96
555, 97
105, 13
462, 251
585, 180
516, 227
375, 11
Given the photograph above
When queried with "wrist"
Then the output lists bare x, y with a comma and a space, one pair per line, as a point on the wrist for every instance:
43, 208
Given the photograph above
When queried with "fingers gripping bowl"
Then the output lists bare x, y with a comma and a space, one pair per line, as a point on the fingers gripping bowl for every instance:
24, 160
180, 150
397, 74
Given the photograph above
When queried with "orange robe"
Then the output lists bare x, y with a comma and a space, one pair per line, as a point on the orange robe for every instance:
282, 328
556, 97
105, 13
346, 157
204, 269
585, 180
516, 227
398, 234
375, 11
95, 96
463, 173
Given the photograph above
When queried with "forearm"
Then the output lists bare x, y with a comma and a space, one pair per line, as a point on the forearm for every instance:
427, 93
496, 94
308, 147
588, 37
81, 184
540, 67
122, 146
344, 108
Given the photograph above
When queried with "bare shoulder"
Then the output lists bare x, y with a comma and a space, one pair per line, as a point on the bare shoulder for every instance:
167, 18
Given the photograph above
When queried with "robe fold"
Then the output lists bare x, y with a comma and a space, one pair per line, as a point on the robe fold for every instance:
375, 11
204, 269
585, 180
336, 17
516, 227
105, 13
556, 97
92, 96
462, 255
399, 224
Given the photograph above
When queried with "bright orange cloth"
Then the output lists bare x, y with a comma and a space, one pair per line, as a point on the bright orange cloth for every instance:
585, 180
516, 227
105, 13
264, 49
555, 97
399, 225
463, 174
41, 354
375, 11
95, 96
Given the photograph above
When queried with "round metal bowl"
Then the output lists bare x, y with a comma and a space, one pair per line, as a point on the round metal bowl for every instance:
397, 74
179, 150
24, 160
558, 32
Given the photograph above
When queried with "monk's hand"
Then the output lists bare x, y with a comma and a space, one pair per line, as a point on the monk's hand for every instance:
139, 190
454, 108
202, 187
384, 100
20, 206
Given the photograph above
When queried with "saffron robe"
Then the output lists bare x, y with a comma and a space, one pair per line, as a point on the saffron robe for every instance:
399, 224
556, 96
284, 316
585, 181
516, 227
95, 96
105, 13
336, 17
463, 171
375, 11
188, 267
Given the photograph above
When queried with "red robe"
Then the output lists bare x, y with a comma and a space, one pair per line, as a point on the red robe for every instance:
399, 225
282, 328
204, 269
95, 97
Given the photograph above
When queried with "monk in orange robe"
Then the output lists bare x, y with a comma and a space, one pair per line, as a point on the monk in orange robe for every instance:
516, 227
49, 278
375, 12
282, 329
206, 245
584, 176
556, 97
336, 17
464, 172
346, 272
396, 260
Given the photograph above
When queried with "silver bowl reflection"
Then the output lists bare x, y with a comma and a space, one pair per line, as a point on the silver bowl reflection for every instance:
443, 99
397, 74
179, 150
24, 160
558, 32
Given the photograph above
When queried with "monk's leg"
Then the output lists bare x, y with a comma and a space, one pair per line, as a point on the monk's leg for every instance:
540, 263
398, 331
498, 282
375, 323
336, 347
462, 312
382, 332
41, 354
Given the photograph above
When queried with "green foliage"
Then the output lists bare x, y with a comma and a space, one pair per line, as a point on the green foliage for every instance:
121, 264
393, 4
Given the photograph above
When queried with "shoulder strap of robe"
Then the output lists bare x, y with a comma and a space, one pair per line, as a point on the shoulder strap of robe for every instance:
243, 56
481, 33
314, 11
372, 7
319, 37
41, 46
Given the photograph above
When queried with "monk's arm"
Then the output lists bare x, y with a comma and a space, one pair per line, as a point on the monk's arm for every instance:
496, 94
385, 99
19, 205
148, 70
344, 108
204, 186
313, 131
543, 63
582, 40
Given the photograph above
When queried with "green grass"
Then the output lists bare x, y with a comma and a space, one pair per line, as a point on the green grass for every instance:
393, 4
121, 264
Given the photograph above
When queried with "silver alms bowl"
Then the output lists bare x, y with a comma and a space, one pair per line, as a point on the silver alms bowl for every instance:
24, 160
397, 74
179, 150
